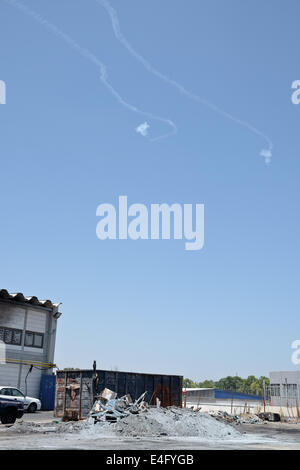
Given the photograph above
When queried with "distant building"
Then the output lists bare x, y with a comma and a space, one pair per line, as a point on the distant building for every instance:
195, 396
284, 389
28, 331
212, 399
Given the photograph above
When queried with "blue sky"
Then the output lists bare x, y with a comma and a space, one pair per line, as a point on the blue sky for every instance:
67, 145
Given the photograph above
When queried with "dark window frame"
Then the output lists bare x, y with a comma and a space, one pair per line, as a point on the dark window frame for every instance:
12, 331
33, 345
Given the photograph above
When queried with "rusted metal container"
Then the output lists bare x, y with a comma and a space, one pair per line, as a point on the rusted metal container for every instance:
76, 389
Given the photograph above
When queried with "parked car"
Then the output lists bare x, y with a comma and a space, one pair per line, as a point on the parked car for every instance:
10, 410
14, 394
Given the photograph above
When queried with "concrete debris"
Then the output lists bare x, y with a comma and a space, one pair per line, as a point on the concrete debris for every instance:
135, 419
109, 408
244, 418
174, 422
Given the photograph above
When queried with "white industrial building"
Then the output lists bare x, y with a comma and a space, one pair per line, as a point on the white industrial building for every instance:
27, 336
284, 389
213, 400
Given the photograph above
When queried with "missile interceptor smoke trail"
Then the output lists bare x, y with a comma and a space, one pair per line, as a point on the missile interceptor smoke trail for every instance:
265, 152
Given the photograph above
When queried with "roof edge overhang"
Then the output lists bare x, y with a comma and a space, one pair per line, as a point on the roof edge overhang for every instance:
20, 298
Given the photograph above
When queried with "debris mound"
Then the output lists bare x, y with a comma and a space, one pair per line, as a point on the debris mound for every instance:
171, 422
137, 419
244, 418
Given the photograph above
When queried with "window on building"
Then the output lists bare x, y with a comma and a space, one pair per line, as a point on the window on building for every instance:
275, 390
10, 335
17, 337
38, 340
28, 338
290, 390
34, 340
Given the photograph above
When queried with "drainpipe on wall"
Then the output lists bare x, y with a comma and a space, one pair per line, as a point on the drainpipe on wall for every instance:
54, 316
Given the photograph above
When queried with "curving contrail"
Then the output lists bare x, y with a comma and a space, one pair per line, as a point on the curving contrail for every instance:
266, 152
87, 54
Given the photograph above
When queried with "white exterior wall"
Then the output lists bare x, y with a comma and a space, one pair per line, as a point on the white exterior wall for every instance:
26, 318
288, 395
9, 374
289, 377
237, 407
36, 321
12, 316
33, 381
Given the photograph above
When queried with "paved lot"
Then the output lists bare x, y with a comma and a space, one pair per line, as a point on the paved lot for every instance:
39, 417
255, 436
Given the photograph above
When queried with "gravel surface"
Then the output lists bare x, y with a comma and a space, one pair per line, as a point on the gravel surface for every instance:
156, 429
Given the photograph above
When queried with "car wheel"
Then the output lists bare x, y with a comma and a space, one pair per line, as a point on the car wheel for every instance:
9, 417
32, 408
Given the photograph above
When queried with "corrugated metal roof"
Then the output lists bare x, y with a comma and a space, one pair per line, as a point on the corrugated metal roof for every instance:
32, 300
195, 389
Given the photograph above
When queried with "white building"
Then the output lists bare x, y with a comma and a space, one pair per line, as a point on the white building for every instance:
27, 333
214, 400
284, 388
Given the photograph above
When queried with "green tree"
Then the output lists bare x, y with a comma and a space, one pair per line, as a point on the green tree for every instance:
230, 383
257, 387
251, 384
188, 383
206, 384
247, 386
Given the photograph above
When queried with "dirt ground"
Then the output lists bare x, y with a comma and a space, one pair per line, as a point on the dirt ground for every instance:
253, 436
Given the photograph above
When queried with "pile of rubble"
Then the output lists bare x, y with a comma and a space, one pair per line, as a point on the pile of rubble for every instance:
245, 418
174, 422
128, 418
108, 407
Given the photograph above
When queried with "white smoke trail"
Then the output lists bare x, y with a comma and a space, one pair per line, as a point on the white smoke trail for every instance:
86, 53
266, 153
143, 129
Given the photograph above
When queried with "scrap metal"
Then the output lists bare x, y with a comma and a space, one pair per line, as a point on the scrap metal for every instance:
108, 407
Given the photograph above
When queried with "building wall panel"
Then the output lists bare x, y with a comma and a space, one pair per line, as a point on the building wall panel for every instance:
9, 374
12, 316
36, 321
33, 381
